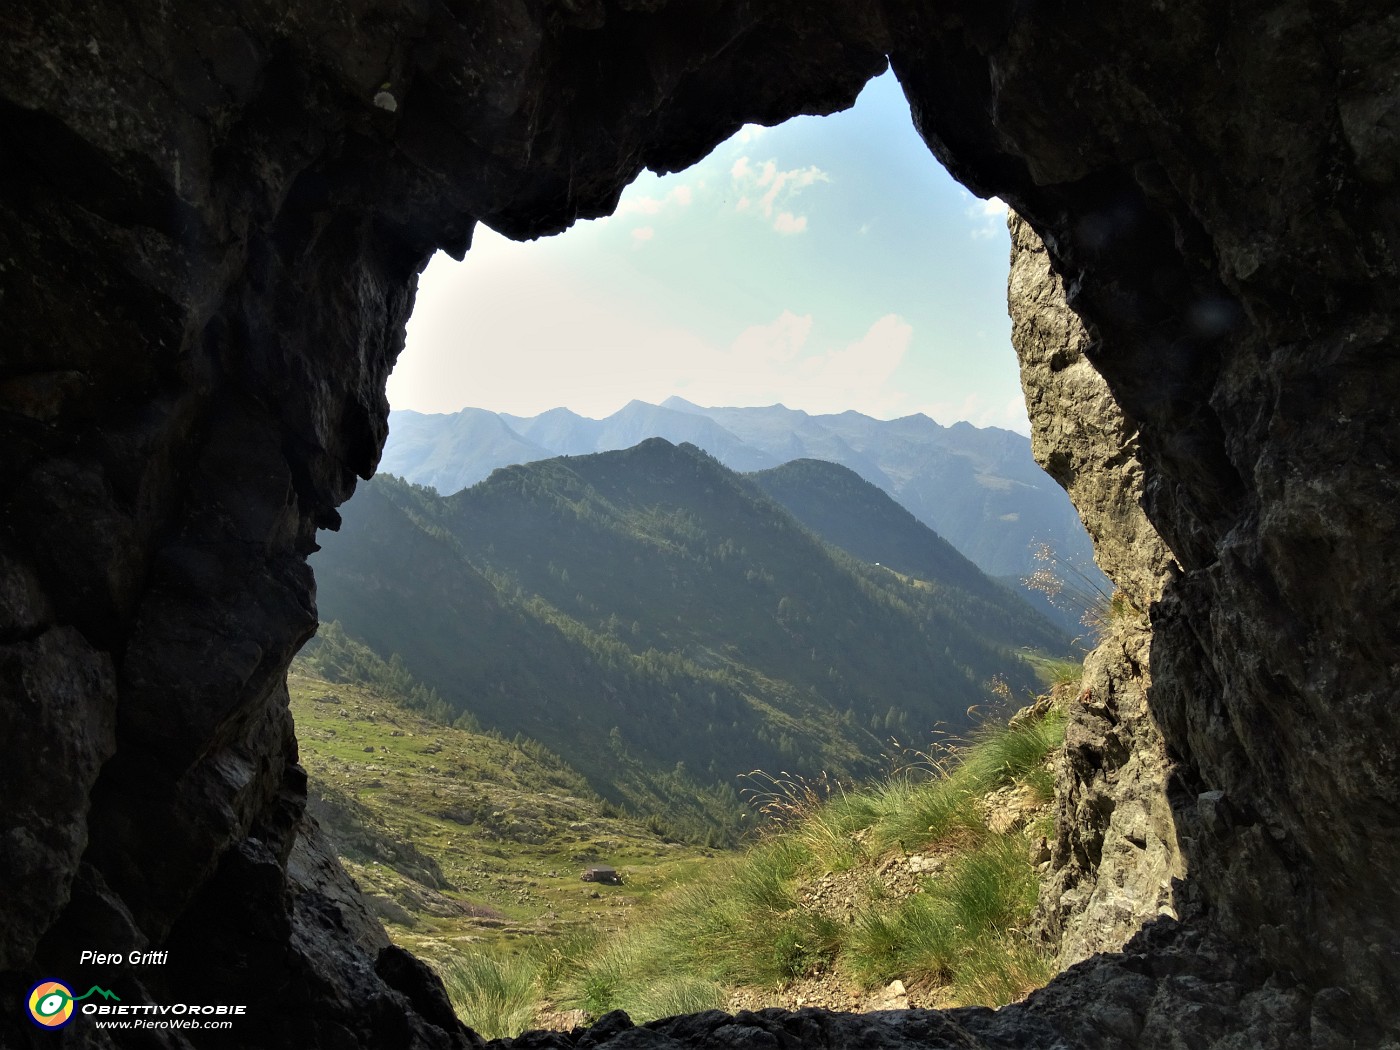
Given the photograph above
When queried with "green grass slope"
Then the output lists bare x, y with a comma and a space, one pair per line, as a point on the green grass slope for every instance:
464, 840
927, 877
912, 890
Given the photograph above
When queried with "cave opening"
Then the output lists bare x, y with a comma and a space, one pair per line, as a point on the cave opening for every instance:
850, 306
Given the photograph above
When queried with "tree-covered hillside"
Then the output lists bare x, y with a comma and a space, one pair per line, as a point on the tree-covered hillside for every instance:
849, 512
657, 620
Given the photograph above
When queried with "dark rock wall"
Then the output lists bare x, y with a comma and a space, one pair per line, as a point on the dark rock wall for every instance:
1230, 240
211, 220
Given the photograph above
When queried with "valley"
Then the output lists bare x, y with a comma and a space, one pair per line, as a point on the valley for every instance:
667, 626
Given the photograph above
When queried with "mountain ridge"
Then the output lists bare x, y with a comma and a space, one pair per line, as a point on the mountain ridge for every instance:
978, 488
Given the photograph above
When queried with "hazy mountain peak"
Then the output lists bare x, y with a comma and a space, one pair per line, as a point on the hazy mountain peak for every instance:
979, 488
560, 413
451, 451
680, 404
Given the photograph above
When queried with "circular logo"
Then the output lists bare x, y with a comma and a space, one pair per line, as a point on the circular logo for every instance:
50, 1004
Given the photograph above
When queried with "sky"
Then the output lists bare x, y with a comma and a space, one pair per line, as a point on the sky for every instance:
826, 264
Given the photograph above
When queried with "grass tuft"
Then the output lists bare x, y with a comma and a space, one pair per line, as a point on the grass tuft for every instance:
1008, 753
961, 931
496, 995
993, 888
670, 996
1005, 970
916, 940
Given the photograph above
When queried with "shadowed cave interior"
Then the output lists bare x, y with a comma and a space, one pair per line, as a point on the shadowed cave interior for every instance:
210, 239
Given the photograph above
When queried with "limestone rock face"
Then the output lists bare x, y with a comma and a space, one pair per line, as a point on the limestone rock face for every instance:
1079, 433
1116, 854
211, 223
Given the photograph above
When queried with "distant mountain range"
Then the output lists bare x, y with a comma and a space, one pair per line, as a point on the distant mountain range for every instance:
978, 488
666, 625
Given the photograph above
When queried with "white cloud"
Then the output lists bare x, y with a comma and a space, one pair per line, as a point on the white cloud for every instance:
748, 133
786, 184
786, 222
778, 342
785, 361
588, 353
642, 204
643, 233
1015, 416
639, 206
779, 190
988, 218
859, 374
480, 336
